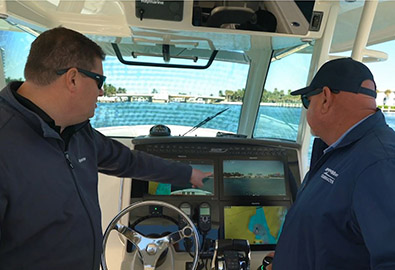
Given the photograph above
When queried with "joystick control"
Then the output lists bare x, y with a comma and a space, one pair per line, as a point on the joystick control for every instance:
265, 262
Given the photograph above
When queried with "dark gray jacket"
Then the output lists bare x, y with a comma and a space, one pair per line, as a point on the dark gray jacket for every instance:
49, 209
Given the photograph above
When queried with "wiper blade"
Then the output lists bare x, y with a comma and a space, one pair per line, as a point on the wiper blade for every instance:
205, 121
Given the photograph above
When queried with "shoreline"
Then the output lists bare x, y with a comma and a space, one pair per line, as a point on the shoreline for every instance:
270, 104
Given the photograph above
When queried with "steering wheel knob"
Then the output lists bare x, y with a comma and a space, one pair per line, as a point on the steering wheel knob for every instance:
151, 249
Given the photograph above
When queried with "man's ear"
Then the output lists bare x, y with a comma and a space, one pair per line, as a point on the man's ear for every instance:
71, 79
327, 99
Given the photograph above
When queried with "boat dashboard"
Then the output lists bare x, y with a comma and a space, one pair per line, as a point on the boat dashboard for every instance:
242, 204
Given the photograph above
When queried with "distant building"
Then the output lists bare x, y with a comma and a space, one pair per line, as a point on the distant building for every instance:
162, 97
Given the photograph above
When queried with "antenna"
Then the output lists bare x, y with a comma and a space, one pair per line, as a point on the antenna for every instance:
205, 121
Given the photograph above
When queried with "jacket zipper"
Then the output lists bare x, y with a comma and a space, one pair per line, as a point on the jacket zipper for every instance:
68, 159
67, 156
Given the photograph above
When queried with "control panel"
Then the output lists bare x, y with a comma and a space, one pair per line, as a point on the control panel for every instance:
242, 205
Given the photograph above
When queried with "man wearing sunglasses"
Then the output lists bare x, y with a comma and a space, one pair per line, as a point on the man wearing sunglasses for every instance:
50, 157
344, 214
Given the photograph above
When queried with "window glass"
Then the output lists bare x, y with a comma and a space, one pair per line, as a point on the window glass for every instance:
385, 82
15, 48
138, 97
383, 76
279, 112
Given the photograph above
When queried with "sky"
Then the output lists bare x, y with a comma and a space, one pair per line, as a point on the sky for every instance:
264, 167
287, 73
219, 76
384, 72
291, 72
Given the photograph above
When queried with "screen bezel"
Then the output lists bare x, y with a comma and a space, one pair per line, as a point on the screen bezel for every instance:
254, 247
225, 197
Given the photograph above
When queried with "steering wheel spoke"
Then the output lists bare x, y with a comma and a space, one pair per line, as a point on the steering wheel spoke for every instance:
177, 236
151, 252
129, 233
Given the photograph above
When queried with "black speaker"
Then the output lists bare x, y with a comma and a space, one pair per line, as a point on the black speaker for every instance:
160, 10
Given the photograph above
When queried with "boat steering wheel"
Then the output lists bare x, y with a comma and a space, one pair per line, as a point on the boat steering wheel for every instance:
150, 248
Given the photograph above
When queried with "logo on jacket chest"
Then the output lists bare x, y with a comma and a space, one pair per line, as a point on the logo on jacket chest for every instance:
329, 175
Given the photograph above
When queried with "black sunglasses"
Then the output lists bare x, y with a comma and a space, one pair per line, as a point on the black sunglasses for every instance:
306, 101
100, 79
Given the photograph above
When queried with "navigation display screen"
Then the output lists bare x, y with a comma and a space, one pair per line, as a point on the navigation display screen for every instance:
155, 188
260, 225
253, 178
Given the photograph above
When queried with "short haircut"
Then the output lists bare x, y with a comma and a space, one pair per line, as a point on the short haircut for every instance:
59, 48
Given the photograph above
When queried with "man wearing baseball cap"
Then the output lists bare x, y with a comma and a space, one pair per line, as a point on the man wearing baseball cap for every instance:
344, 214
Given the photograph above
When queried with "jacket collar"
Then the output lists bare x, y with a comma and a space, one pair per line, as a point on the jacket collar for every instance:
377, 119
34, 108
32, 118
35, 115
318, 157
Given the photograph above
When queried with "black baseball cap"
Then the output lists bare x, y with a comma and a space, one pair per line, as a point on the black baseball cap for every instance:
343, 74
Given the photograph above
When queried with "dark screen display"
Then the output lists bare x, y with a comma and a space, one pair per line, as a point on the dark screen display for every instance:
253, 178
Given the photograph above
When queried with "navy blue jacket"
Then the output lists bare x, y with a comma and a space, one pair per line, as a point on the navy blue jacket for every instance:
49, 209
344, 214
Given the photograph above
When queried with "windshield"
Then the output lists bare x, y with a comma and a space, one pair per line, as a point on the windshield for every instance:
141, 96
138, 97
278, 109
15, 47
